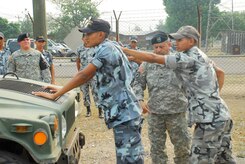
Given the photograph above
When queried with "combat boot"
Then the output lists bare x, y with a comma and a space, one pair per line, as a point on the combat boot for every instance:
101, 114
88, 111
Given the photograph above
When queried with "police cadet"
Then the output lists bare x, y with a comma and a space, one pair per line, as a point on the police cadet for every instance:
85, 55
40, 43
4, 55
134, 64
167, 106
121, 109
28, 62
202, 81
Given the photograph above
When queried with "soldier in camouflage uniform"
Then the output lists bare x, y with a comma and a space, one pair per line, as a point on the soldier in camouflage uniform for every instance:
85, 55
121, 109
167, 106
40, 43
134, 64
29, 63
202, 81
4, 55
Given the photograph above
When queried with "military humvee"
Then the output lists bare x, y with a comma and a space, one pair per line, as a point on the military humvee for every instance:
34, 129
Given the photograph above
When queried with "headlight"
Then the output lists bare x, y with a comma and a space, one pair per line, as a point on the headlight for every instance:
63, 126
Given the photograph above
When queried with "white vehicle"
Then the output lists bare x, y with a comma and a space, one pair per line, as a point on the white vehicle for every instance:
56, 49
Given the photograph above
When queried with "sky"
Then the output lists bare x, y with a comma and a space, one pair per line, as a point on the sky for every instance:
142, 10
11, 9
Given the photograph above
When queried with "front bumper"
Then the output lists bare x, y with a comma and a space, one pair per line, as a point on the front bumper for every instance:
72, 151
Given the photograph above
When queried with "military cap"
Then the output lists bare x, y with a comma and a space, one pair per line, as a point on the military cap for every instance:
21, 37
159, 38
40, 39
1, 35
134, 39
185, 31
96, 25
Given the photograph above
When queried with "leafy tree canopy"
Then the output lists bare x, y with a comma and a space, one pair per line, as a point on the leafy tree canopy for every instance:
73, 13
9, 29
185, 12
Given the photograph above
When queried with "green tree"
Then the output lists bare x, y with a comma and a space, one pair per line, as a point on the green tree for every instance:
185, 12
73, 13
26, 25
10, 30
239, 21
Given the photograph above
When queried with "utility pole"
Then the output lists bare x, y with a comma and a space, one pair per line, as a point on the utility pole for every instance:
39, 16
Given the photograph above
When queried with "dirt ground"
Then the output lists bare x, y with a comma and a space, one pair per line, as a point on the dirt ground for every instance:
100, 149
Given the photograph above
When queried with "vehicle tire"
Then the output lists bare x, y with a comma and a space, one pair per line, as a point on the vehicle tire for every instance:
73, 57
7, 157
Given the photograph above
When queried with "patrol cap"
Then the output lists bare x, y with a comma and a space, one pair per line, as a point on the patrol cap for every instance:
96, 25
40, 39
134, 39
185, 31
159, 38
21, 37
1, 35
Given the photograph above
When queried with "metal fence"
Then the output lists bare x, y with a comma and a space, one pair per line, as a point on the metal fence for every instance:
233, 65
227, 48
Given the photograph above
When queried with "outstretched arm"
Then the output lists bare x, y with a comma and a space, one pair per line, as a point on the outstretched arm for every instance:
145, 56
80, 78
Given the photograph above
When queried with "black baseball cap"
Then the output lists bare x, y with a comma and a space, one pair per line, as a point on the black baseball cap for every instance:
159, 38
96, 25
21, 37
40, 39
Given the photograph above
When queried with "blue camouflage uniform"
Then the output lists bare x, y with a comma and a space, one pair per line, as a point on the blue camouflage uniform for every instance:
121, 108
48, 56
86, 55
212, 136
4, 55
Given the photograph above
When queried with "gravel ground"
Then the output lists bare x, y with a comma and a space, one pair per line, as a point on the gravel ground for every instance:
99, 147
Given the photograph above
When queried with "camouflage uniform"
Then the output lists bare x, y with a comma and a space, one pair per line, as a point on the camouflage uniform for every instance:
167, 105
86, 55
4, 55
134, 66
120, 106
48, 56
212, 138
29, 64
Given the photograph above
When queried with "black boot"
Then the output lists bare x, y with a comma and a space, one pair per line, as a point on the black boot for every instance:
88, 111
101, 114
